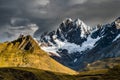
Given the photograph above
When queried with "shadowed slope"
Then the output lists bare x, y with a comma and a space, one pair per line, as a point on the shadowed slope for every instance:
36, 74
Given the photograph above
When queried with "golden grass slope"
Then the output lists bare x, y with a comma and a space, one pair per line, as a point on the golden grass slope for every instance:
25, 52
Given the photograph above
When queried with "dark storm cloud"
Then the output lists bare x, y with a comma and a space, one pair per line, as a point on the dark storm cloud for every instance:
94, 12
48, 14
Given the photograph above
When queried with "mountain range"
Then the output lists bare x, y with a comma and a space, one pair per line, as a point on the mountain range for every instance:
74, 44
74, 51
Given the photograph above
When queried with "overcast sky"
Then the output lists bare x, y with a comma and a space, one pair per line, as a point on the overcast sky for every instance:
37, 16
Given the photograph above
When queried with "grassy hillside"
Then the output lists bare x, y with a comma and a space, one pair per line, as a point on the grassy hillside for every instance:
25, 52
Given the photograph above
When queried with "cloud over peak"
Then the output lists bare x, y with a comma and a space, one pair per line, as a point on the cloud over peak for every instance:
48, 14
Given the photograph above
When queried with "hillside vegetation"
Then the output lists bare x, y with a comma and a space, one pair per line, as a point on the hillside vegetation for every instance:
25, 52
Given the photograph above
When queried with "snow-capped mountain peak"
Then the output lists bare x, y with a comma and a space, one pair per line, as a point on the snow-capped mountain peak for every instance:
67, 21
75, 36
70, 34
84, 28
74, 42
78, 22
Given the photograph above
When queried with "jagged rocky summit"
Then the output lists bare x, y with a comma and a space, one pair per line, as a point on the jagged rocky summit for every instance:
73, 42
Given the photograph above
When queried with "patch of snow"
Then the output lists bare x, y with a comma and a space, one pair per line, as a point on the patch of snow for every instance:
47, 37
84, 27
71, 47
51, 49
67, 19
89, 44
54, 36
103, 31
75, 59
78, 22
36, 40
116, 38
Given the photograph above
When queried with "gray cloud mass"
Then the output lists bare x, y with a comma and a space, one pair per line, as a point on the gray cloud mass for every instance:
37, 16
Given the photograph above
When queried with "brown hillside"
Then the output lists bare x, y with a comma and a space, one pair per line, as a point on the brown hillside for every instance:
25, 52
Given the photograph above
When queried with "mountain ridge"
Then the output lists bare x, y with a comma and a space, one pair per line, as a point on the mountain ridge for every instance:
69, 48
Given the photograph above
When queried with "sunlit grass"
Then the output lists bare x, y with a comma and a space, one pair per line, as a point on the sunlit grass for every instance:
13, 54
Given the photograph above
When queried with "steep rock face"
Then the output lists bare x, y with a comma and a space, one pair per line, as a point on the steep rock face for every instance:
26, 43
72, 31
107, 34
75, 44
70, 34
